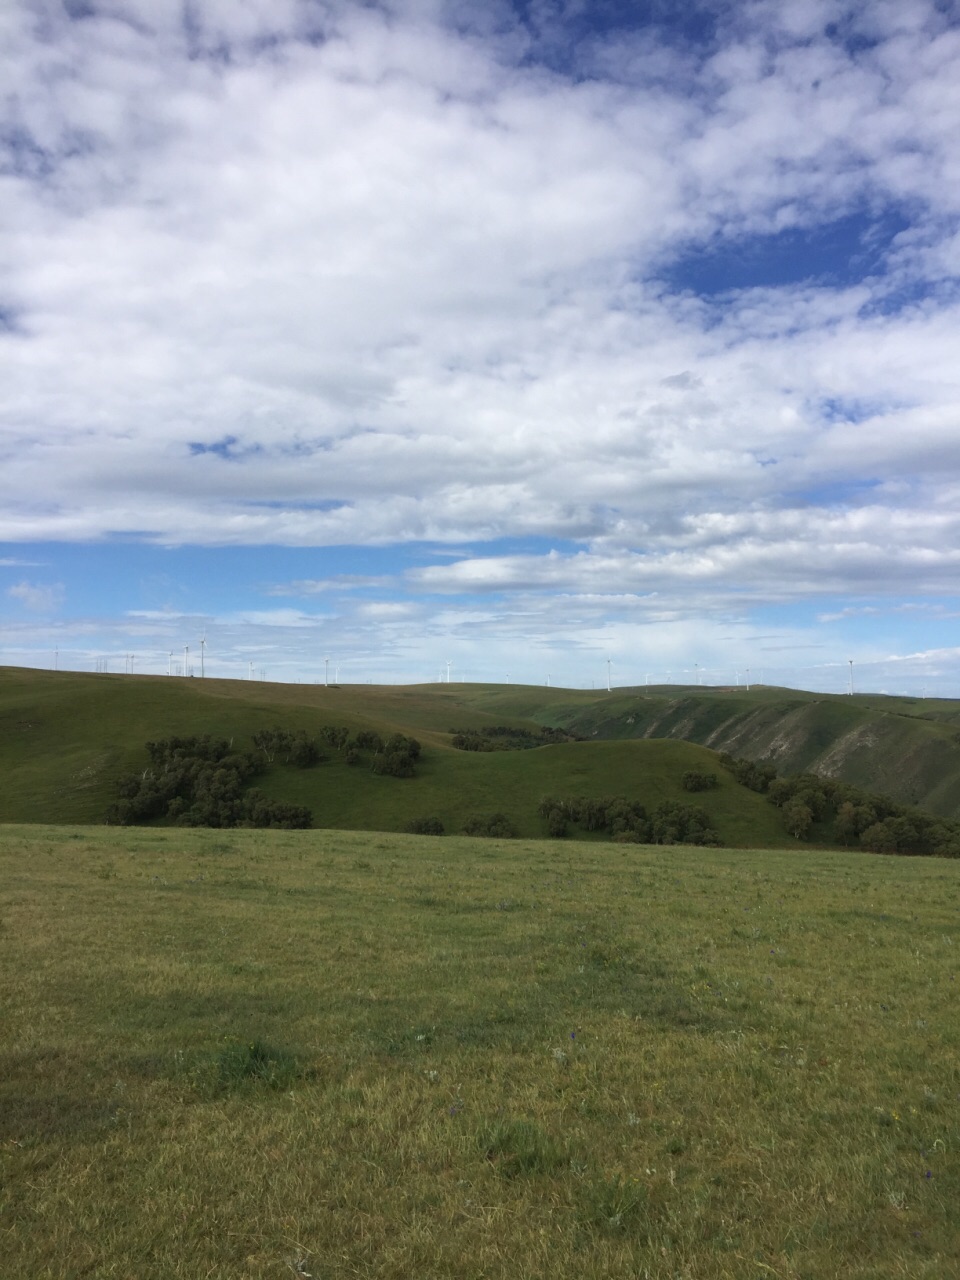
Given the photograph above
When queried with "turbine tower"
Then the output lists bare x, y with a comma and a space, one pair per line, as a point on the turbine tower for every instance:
186, 659
203, 645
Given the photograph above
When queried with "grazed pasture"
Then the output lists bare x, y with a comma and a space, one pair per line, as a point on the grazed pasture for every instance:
337, 1054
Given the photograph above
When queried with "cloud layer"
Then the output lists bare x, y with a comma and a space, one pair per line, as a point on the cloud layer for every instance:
676, 304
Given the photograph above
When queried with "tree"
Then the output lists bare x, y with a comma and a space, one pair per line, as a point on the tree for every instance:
797, 818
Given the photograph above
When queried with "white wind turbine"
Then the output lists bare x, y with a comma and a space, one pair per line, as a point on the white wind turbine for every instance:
203, 645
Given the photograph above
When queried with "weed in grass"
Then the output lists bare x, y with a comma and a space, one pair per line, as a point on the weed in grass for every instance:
236, 1066
522, 1147
616, 1204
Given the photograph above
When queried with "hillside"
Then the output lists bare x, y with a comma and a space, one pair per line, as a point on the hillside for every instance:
66, 738
906, 748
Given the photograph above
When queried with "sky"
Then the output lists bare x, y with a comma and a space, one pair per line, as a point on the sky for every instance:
550, 341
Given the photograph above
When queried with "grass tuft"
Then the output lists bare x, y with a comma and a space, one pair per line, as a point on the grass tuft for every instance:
616, 1205
522, 1148
238, 1066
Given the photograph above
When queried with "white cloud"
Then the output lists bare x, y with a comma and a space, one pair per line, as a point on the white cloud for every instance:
400, 282
38, 597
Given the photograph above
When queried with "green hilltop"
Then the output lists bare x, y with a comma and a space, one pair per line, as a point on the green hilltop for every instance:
66, 738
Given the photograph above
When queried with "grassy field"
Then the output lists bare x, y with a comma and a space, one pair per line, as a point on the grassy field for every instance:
331, 1054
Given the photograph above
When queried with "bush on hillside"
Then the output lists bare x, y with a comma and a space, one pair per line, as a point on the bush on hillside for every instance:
627, 820
424, 827
698, 780
750, 773
200, 782
507, 738
292, 746
398, 757
493, 825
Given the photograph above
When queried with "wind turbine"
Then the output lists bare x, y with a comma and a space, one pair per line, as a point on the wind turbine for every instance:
170, 663
608, 675
449, 665
186, 657
203, 645
326, 670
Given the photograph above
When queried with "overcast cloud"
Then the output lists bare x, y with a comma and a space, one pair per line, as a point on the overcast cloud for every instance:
630, 331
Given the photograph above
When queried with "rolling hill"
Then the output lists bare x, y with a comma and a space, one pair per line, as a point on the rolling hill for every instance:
65, 738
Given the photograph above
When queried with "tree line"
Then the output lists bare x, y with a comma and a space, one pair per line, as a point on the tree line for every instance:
840, 813
504, 737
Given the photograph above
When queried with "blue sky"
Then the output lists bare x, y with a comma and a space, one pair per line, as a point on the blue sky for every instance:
519, 337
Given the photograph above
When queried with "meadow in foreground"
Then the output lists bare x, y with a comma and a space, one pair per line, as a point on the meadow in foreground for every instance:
335, 1054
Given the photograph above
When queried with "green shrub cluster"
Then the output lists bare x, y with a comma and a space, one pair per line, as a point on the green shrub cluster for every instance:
755, 774
294, 748
398, 757
854, 817
496, 826
200, 782
506, 738
424, 827
395, 756
844, 814
627, 820
697, 780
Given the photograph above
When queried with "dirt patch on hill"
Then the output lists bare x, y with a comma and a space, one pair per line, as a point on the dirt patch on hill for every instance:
831, 763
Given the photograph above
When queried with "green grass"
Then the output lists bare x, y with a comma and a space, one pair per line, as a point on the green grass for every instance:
245, 1054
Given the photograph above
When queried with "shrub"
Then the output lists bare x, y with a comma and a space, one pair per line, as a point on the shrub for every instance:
493, 825
424, 827
695, 780
750, 773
